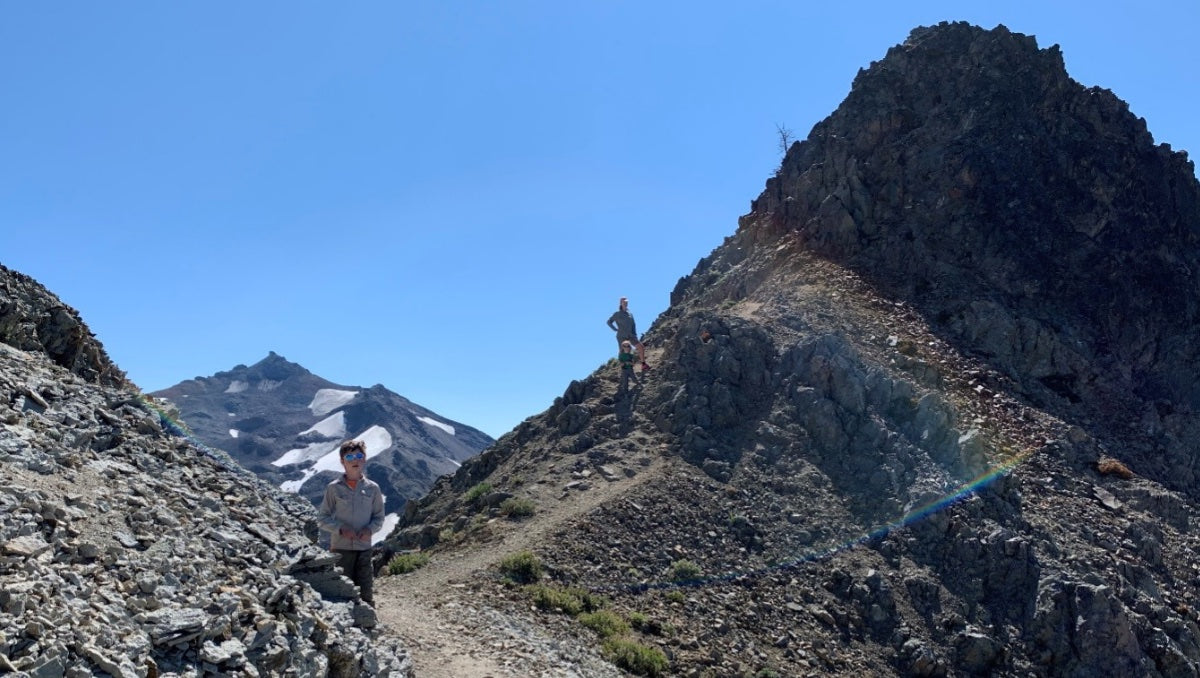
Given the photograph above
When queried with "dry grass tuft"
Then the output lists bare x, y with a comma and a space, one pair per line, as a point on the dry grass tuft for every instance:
1112, 467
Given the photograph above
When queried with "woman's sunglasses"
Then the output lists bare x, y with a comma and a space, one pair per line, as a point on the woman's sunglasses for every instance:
354, 456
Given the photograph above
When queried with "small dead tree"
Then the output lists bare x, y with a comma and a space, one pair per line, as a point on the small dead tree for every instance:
785, 139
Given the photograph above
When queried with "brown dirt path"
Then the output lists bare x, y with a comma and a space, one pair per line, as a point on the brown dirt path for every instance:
450, 630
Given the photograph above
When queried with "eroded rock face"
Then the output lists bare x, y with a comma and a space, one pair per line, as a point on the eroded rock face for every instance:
1033, 221
129, 551
33, 319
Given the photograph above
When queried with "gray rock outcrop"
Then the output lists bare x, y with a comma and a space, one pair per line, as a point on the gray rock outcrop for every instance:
1033, 221
33, 319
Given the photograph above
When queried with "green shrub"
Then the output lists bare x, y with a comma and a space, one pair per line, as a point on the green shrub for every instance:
571, 601
635, 657
604, 622
684, 570
556, 599
522, 567
676, 596
517, 508
638, 620
477, 491
403, 563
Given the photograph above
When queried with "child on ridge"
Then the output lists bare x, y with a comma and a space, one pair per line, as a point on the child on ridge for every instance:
351, 512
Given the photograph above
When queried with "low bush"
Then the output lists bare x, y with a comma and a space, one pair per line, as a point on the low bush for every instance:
448, 535
477, 491
605, 623
517, 508
522, 567
403, 563
571, 601
684, 570
635, 657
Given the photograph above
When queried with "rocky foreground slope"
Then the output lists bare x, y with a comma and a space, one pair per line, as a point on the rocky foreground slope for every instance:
929, 412
126, 550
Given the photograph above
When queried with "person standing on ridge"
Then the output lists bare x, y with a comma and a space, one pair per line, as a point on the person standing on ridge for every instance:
622, 323
351, 512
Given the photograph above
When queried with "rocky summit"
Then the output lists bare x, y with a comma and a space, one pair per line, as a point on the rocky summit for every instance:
285, 423
930, 411
128, 551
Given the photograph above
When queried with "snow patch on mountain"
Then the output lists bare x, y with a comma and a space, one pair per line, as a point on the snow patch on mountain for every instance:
333, 426
304, 455
233, 433
437, 424
237, 386
327, 400
377, 439
389, 523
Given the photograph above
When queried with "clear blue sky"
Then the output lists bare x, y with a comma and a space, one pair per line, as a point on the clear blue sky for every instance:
443, 197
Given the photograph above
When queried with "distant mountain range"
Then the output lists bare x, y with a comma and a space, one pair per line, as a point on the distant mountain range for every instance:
285, 423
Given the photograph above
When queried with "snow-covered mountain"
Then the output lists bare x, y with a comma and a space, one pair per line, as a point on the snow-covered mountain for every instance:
285, 423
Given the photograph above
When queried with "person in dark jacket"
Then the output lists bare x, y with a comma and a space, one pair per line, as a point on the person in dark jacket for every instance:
622, 323
351, 512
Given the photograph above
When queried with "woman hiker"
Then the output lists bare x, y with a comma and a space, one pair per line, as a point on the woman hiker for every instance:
622, 323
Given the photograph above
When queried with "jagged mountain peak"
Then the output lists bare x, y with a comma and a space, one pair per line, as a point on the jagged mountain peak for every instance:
966, 115
275, 366
1032, 220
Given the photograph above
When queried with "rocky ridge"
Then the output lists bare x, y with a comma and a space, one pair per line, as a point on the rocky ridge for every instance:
882, 456
129, 551
33, 319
